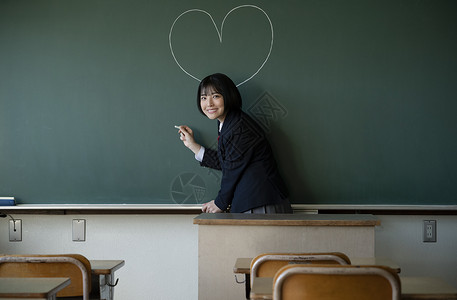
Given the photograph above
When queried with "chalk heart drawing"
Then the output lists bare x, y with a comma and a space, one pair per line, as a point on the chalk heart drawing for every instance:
219, 32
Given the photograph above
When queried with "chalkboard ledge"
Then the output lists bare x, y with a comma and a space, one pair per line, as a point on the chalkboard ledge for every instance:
64, 209
376, 209
103, 209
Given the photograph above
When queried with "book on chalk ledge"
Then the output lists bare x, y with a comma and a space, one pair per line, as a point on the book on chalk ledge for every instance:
7, 201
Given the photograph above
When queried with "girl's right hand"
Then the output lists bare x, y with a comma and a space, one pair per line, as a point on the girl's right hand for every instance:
187, 137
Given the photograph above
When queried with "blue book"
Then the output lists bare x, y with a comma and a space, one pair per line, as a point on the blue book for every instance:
7, 201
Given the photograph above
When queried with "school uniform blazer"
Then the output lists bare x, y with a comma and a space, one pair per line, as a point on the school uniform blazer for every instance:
250, 177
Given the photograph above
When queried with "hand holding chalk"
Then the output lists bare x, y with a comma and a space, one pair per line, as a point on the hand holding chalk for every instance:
183, 132
180, 132
187, 136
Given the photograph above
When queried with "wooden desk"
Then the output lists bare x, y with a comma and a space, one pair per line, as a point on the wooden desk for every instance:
262, 288
375, 261
243, 266
222, 238
103, 271
412, 288
38, 288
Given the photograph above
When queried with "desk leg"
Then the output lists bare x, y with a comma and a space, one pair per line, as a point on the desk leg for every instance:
106, 291
247, 283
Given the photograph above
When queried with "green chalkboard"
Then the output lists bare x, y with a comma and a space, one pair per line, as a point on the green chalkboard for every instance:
358, 98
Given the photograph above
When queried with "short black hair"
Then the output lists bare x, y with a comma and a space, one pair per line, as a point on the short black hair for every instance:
222, 84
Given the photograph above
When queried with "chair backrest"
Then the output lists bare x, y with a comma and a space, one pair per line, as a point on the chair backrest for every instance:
336, 282
267, 264
73, 266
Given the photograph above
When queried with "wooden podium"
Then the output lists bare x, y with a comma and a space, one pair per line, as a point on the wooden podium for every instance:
222, 238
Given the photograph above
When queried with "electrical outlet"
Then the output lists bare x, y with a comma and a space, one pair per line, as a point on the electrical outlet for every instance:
79, 230
15, 230
430, 231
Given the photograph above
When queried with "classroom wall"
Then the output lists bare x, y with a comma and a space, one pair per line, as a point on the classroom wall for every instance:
160, 251
400, 238
155, 247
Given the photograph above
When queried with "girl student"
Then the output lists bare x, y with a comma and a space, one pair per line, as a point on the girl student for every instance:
250, 179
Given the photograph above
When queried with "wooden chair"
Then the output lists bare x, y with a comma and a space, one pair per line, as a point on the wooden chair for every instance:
336, 282
267, 264
73, 266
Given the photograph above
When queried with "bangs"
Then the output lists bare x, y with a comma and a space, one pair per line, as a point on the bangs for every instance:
211, 84
208, 89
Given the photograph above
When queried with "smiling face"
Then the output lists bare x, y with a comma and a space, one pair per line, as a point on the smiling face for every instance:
217, 96
212, 104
